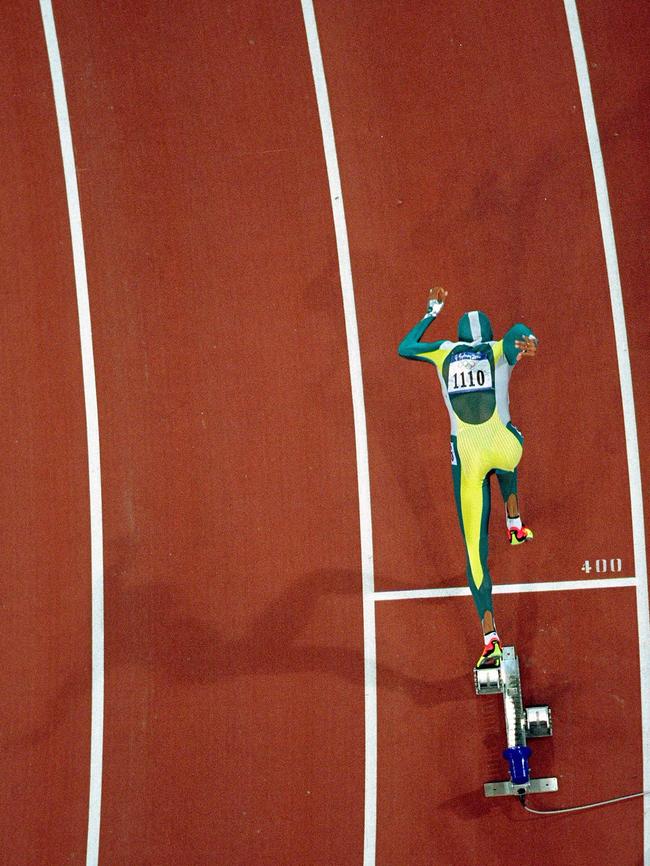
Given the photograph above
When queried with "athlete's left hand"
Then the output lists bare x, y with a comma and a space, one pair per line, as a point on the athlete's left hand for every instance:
437, 298
527, 347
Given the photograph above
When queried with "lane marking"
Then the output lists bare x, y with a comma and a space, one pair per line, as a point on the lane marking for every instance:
92, 435
506, 588
361, 442
627, 395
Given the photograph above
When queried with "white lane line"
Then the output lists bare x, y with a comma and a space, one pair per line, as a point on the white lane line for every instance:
359, 413
627, 394
506, 588
92, 435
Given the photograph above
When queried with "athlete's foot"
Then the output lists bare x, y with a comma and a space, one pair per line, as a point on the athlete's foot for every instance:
491, 655
519, 536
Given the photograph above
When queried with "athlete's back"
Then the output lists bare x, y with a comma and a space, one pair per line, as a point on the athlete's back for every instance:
475, 371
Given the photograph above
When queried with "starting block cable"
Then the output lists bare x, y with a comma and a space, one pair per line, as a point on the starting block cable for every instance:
522, 800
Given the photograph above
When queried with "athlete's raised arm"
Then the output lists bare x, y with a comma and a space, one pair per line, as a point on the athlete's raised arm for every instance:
519, 342
411, 346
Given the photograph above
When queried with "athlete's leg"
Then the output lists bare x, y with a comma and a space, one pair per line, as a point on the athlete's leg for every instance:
472, 495
507, 478
508, 486
476, 452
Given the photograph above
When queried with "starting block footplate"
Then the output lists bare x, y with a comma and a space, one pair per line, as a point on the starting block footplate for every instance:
487, 681
506, 789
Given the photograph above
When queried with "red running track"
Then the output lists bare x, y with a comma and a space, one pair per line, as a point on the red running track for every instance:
234, 727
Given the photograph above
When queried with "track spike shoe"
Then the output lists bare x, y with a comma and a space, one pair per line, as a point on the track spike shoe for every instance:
491, 655
519, 536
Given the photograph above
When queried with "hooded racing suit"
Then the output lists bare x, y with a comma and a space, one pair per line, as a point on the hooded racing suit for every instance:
474, 375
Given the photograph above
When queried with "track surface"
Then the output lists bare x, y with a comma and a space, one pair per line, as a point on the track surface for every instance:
234, 728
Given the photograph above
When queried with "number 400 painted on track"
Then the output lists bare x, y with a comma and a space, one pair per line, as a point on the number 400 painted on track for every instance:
603, 566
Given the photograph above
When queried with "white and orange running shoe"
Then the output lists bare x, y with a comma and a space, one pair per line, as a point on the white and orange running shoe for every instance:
519, 536
491, 655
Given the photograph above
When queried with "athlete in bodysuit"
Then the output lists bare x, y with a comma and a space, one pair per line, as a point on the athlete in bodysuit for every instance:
474, 376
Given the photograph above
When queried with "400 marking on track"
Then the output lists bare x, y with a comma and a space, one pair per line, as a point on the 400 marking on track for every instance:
603, 566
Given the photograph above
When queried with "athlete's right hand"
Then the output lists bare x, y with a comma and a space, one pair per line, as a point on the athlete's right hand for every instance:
527, 347
436, 302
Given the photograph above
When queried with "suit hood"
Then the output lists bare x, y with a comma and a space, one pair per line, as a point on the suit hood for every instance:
474, 326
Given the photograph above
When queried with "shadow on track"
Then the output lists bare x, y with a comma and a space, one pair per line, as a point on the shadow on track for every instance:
146, 627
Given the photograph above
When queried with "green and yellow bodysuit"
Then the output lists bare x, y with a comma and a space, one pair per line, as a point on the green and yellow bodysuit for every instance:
474, 376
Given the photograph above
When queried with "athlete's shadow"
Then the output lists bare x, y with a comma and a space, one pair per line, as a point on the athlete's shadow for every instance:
281, 640
146, 627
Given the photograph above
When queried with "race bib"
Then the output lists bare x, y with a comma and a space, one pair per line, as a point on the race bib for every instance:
469, 372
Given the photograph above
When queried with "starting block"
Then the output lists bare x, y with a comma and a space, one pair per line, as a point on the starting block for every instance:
521, 722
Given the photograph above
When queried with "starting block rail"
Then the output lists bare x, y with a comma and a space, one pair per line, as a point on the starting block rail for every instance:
521, 723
